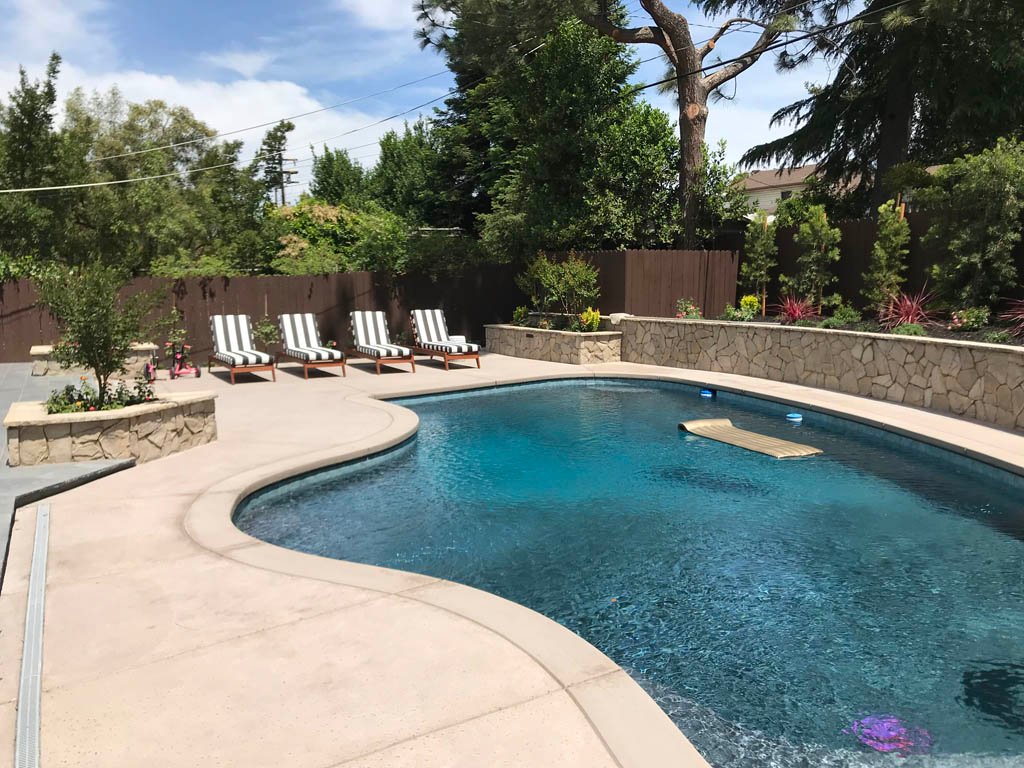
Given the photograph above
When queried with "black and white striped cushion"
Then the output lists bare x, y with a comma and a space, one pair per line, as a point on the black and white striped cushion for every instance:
370, 329
232, 341
302, 340
451, 347
384, 350
432, 333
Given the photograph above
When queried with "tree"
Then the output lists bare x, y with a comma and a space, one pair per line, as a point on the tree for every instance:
977, 203
336, 178
574, 160
269, 162
403, 180
884, 277
98, 324
926, 81
818, 242
759, 258
718, 194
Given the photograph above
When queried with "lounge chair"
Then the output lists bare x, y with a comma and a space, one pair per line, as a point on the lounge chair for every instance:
370, 331
301, 341
233, 347
432, 338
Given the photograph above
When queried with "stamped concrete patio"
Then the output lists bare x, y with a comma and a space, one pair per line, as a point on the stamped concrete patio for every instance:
171, 638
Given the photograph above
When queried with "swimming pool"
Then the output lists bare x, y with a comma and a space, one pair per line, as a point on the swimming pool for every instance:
766, 605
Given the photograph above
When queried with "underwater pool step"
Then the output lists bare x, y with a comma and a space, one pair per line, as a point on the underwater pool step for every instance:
723, 431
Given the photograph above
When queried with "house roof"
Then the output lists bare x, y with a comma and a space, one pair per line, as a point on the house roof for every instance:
772, 178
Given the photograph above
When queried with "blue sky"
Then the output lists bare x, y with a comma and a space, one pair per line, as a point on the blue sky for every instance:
237, 63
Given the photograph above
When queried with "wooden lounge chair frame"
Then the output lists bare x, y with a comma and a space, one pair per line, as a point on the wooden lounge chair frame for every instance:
447, 356
233, 369
379, 360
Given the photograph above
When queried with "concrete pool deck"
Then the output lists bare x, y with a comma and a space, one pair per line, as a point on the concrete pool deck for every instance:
171, 638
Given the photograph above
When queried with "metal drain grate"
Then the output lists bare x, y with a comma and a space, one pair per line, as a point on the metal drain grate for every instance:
26, 739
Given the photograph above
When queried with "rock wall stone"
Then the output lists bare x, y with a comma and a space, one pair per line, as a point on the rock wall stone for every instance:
978, 381
554, 346
143, 432
42, 365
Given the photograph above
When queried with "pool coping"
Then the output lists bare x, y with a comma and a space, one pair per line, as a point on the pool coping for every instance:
632, 727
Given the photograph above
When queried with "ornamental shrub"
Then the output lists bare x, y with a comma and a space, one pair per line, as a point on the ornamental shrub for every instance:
568, 286
750, 306
998, 337
265, 332
843, 315
977, 203
759, 258
969, 319
590, 320
884, 277
909, 329
687, 309
520, 315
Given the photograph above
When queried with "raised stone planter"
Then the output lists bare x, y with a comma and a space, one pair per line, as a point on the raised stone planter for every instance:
144, 432
43, 365
554, 346
979, 381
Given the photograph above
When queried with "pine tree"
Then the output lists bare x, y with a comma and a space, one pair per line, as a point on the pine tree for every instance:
885, 272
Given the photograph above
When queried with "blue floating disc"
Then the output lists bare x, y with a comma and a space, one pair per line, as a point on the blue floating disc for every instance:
707, 393
795, 418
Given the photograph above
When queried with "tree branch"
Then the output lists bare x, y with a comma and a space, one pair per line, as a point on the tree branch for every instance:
709, 46
627, 35
727, 73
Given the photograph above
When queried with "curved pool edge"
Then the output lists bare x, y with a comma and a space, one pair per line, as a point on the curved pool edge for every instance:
630, 724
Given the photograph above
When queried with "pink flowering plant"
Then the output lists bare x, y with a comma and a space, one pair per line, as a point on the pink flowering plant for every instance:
969, 319
687, 309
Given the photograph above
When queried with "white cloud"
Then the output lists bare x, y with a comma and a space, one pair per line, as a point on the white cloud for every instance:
381, 14
32, 29
246, 63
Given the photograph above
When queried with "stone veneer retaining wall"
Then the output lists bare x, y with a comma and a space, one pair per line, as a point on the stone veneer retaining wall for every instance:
144, 432
979, 381
42, 365
554, 346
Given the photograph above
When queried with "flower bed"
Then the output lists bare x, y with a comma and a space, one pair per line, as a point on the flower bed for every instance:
143, 432
554, 346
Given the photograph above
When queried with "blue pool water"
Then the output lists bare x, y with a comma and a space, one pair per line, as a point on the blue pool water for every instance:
765, 604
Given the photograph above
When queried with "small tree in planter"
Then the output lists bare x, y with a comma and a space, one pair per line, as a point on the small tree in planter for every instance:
759, 259
98, 325
884, 277
567, 287
819, 249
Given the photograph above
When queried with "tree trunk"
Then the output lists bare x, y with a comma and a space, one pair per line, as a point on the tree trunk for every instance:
895, 126
693, 118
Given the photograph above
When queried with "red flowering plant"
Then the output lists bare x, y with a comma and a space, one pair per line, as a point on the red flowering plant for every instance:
1015, 314
906, 309
791, 310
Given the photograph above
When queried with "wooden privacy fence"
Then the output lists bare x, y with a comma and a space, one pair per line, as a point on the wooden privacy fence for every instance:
488, 295
638, 282
649, 282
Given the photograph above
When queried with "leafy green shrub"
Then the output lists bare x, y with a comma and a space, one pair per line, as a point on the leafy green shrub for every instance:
72, 399
819, 249
909, 329
687, 309
884, 277
590, 320
749, 307
759, 259
807, 322
842, 316
969, 319
568, 286
265, 332
97, 324
520, 315
998, 337
730, 313
976, 203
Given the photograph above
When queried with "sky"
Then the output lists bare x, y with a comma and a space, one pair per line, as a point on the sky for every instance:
238, 63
